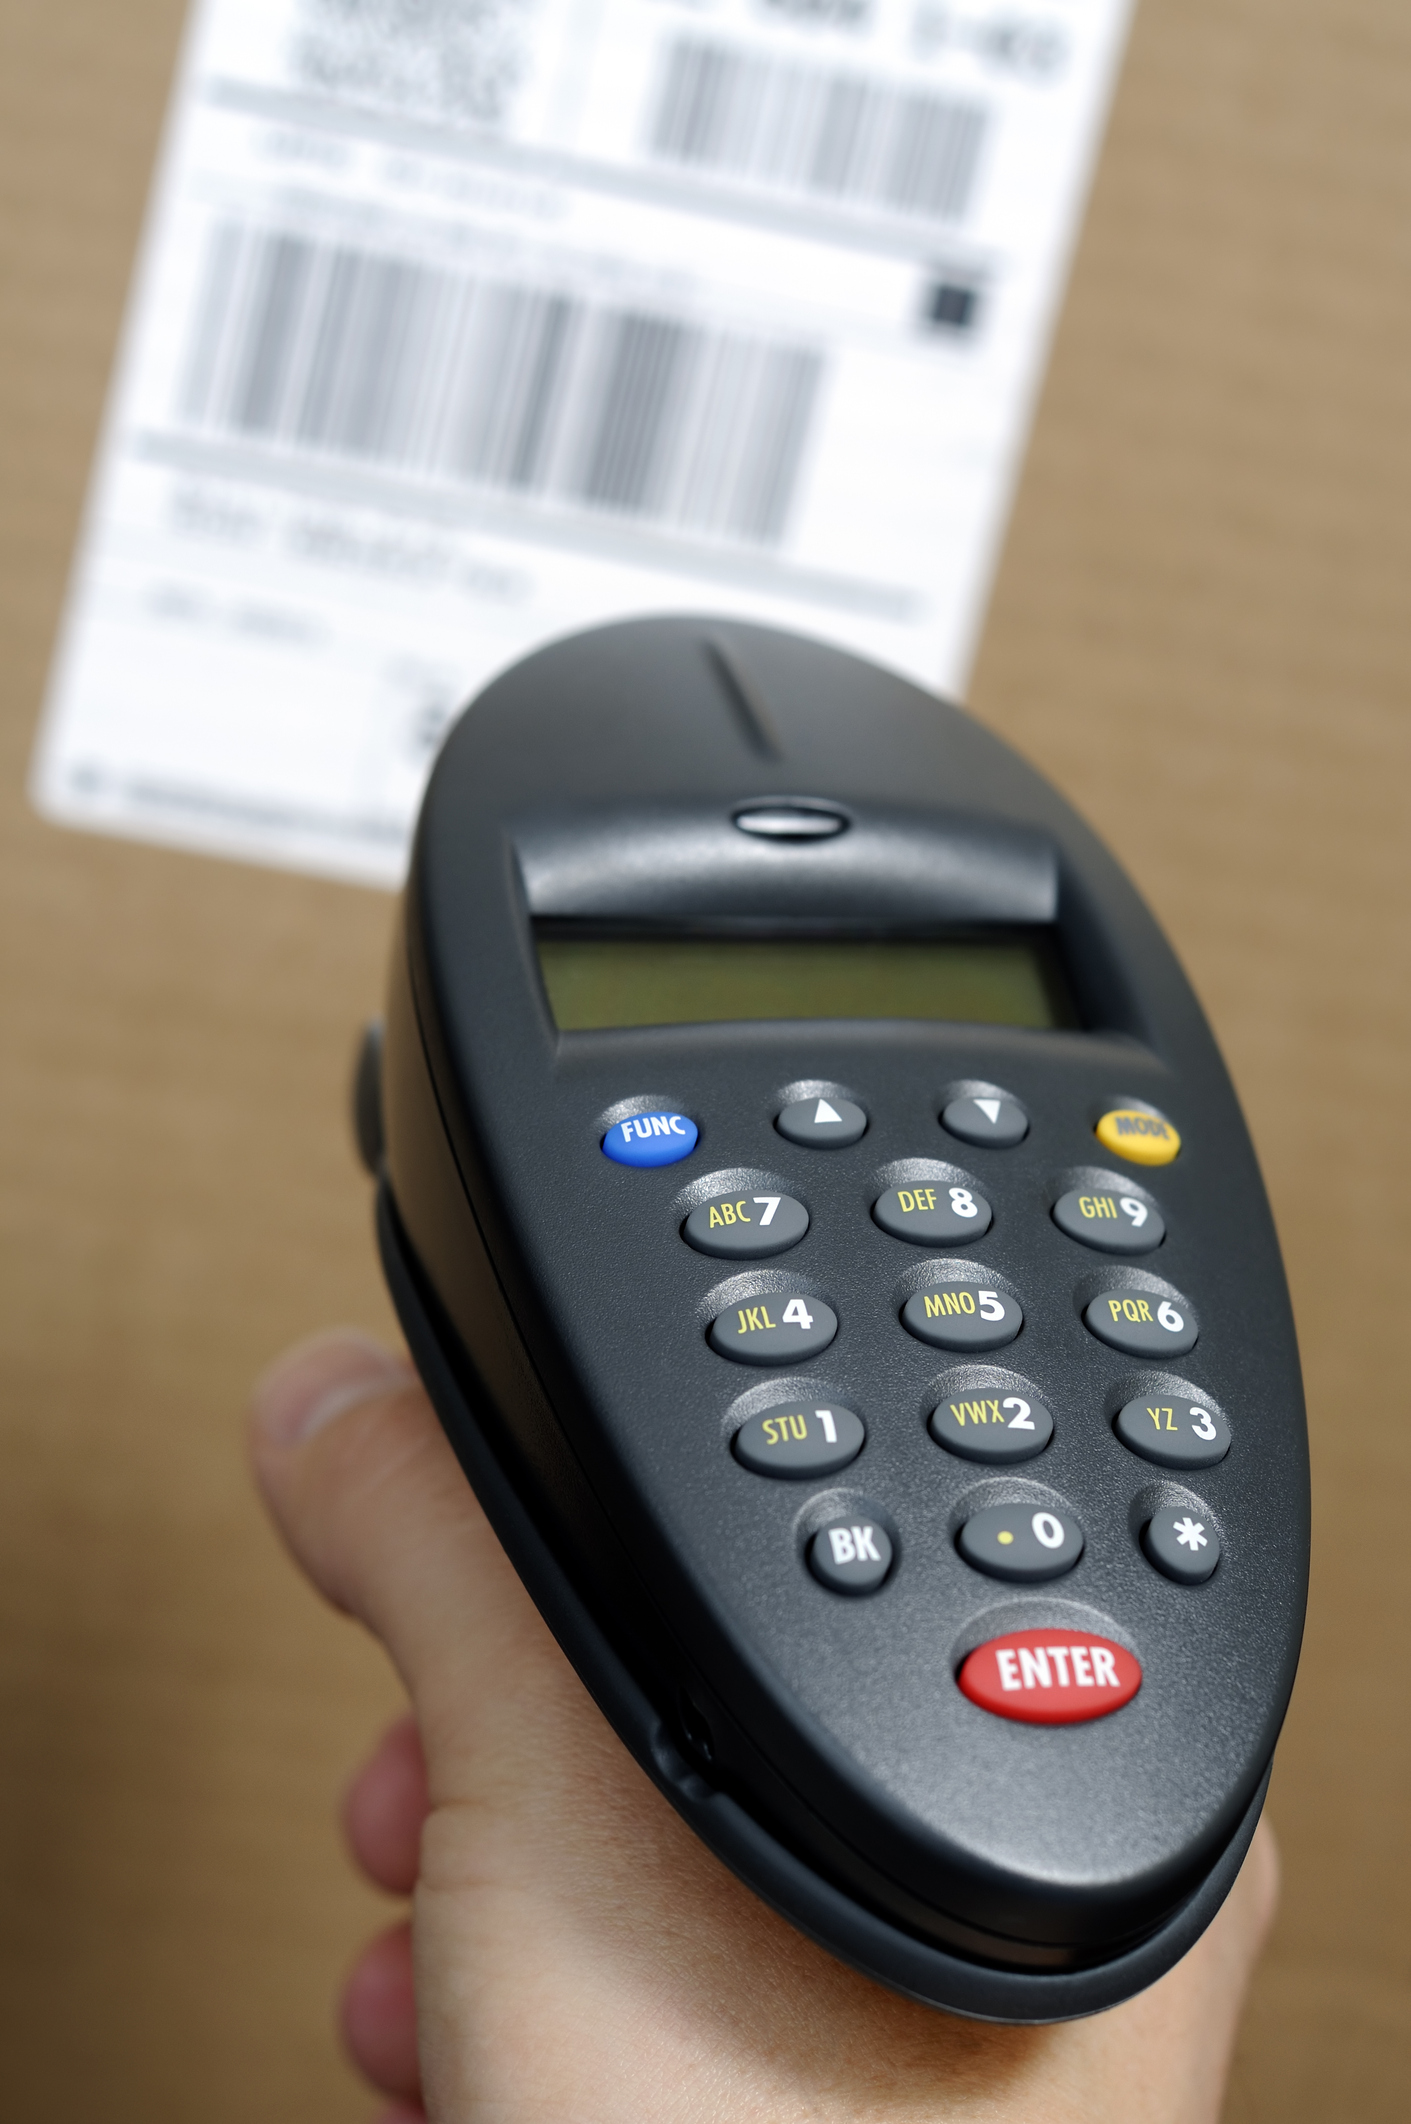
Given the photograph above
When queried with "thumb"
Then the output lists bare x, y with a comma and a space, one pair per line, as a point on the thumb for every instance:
369, 1498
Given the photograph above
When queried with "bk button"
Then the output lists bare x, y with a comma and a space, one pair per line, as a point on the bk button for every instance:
1050, 1677
850, 1556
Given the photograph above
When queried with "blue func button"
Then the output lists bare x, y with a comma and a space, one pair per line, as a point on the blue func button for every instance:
651, 1139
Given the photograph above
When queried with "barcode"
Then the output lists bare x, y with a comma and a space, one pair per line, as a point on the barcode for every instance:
530, 390
845, 136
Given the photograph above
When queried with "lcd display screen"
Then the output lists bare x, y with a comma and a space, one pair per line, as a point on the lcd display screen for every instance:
594, 982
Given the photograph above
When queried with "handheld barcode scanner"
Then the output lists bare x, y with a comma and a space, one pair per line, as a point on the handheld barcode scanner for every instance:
821, 1216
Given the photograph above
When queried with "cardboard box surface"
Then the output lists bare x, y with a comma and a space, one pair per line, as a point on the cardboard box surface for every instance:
1201, 631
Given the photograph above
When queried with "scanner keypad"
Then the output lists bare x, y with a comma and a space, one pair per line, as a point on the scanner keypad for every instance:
990, 1420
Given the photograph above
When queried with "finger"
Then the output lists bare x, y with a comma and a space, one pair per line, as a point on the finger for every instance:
316, 1380
1183, 2029
385, 1807
361, 1483
378, 2015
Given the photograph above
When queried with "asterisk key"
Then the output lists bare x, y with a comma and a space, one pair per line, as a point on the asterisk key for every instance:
1191, 1533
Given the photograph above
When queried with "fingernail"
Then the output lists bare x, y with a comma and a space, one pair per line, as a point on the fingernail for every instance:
319, 1379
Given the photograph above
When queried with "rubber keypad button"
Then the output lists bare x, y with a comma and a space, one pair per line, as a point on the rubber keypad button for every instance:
1141, 1138
933, 1214
1022, 1542
979, 1425
651, 1139
1114, 1224
1174, 1434
850, 1556
822, 1124
998, 1122
1182, 1543
1143, 1324
745, 1227
963, 1316
795, 1444
774, 1327
1050, 1677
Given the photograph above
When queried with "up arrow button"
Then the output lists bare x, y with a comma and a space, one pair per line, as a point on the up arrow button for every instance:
822, 1124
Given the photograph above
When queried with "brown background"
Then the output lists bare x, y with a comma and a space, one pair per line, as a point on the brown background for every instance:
1201, 630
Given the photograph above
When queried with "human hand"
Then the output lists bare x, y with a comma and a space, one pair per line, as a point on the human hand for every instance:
575, 1955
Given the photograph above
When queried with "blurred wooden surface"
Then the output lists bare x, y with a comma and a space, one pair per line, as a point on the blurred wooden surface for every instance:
1202, 630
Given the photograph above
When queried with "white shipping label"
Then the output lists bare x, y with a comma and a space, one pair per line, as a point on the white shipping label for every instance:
463, 324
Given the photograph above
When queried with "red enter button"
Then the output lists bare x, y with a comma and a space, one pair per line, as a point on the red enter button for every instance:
1050, 1677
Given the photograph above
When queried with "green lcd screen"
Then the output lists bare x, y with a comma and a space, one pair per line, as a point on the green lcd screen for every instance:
594, 982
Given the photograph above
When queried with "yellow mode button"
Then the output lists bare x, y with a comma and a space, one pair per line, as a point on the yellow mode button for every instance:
1143, 1139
